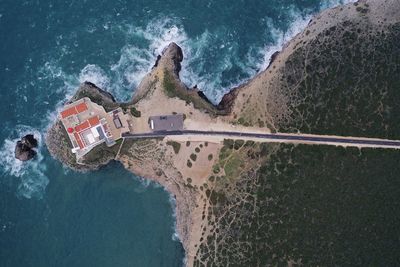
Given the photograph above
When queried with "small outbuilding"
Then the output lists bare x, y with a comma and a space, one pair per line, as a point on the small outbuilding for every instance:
166, 123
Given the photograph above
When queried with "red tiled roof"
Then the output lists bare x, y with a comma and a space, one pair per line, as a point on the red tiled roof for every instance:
74, 110
68, 112
94, 121
81, 107
78, 139
84, 125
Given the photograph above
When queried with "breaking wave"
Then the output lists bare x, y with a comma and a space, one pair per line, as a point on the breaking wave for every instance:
139, 55
31, 177
172, 201
213, 60
280, 38
94, 74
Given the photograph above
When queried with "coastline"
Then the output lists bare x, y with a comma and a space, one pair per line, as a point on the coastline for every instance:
161, 164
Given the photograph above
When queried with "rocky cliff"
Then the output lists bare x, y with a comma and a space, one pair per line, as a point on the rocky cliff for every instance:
250, 204
345, 60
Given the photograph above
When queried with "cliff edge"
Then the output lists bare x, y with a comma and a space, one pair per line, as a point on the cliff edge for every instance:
245, 203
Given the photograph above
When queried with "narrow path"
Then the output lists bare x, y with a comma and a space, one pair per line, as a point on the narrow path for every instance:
279, 137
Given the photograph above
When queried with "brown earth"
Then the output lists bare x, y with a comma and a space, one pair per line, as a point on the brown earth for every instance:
185, 168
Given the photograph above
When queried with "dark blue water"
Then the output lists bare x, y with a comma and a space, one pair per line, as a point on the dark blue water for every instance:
50, 216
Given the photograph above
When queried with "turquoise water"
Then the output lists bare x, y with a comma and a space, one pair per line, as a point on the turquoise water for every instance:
51, 216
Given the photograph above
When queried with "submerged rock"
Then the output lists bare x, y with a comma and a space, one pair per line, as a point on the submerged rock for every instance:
24, 149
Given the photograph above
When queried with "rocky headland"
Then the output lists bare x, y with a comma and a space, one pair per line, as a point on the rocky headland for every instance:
243, 203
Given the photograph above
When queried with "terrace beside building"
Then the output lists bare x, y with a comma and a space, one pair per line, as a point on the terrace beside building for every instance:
89, 125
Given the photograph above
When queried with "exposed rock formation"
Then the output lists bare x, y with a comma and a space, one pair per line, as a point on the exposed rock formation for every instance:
344, 56
252, 204
316, 205
24, 149
57, 140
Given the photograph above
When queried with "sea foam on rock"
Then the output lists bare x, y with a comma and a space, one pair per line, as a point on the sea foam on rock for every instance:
25, 148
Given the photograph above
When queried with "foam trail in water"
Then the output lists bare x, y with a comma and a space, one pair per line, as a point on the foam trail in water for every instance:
51, 74
143, 45
31, 174
94, 74
138, 57
281, 38
299, 23
172, 201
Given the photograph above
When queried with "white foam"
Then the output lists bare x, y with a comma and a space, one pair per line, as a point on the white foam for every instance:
137, 59
32, 180
172, 201
257, 58
282, 37
133, 64
333, 3
298, 24
53, 73
94, 74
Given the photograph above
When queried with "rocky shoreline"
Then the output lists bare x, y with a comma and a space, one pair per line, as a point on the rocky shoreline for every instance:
59, 145
170, 60
25, 148
262, 101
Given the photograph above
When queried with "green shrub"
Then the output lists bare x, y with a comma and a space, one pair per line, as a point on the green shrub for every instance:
216, 169
189, 164
175, 145
228, 143
135, 113
238, 144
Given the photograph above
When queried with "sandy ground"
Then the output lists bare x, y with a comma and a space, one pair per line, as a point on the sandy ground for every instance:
174, 177
198, 173
258, 96
251, 101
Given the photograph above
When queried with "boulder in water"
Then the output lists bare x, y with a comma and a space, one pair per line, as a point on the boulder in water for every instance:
24, 149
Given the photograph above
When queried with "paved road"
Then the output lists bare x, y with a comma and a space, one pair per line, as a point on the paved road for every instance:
290, 138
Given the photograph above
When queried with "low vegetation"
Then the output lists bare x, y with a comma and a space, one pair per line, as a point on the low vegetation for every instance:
175, 145
193, 157
173, 88
346, 82
189, 164
101, 153
136, 113
317, 205
303, 205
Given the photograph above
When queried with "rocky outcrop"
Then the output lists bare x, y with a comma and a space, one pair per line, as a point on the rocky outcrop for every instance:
96, 94
172, 57
166, 70
25, 148
57, 140
265, 98
227, 101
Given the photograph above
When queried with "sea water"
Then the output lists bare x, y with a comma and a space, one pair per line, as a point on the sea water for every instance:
53, 216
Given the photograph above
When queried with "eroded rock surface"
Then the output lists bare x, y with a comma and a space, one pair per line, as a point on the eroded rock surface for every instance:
241, 203
25, 148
